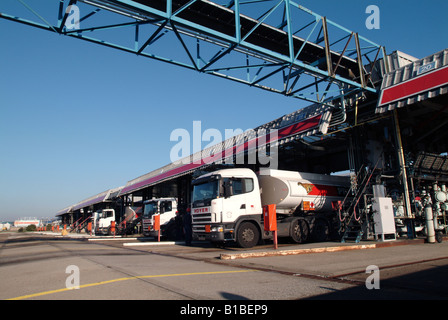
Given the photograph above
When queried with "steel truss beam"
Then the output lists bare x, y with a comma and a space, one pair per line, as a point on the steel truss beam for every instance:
276, 45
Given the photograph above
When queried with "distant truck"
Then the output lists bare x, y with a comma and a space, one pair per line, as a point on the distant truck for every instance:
166, 208
227, 205
102, 221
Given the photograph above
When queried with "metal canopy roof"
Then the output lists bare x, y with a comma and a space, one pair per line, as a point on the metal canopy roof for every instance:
304, 122
296, 125
101, 197
418, 81
64, 211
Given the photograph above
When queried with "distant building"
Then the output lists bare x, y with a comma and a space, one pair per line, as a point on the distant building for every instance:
24, 222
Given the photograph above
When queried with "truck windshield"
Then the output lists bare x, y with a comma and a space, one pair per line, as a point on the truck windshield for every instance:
108, 214
150, 209
204, 192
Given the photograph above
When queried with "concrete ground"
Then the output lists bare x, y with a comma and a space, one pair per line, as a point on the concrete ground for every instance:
34, 266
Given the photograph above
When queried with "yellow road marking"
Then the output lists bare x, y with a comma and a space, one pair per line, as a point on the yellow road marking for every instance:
125, 279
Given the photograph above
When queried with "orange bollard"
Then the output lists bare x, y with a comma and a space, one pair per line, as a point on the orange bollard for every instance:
270, 221
157, 225
112, 227
89, 227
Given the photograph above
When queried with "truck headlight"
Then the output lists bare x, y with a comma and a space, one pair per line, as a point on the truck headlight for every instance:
217, 229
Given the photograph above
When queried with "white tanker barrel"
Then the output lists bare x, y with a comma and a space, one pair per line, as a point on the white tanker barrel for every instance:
289, 189
129, 214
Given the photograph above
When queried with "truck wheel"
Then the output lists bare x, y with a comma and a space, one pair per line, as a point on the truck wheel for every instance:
439, 236
299, 231
247, 235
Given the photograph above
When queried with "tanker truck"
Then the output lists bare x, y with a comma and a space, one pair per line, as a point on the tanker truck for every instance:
102, 221
227, 205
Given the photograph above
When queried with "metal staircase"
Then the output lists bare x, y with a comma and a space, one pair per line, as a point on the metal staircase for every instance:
355, 227
354, 214
81, 225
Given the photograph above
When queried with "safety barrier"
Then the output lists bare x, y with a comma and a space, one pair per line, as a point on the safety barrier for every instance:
270, 221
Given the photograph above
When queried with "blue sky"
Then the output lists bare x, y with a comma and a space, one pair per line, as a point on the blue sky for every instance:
77, 119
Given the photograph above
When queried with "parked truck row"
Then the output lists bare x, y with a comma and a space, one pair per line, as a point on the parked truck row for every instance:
138, 220
227, 206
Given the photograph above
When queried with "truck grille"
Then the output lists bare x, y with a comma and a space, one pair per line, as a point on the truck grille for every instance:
198, 228
199, 220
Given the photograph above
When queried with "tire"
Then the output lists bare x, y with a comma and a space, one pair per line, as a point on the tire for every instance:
247, 235
439, 237
299, 231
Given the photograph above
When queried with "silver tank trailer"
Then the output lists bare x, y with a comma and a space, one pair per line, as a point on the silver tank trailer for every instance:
129, 214
288, 189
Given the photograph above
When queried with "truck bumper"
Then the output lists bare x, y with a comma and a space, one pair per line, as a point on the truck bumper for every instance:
101, 231
152, 233
148, 230
210, 236
214, 232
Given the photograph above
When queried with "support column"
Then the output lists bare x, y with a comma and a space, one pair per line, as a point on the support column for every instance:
407, 201
402, 163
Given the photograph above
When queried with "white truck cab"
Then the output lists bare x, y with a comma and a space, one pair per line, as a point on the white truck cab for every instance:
166, 208
102, 220
220, 198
